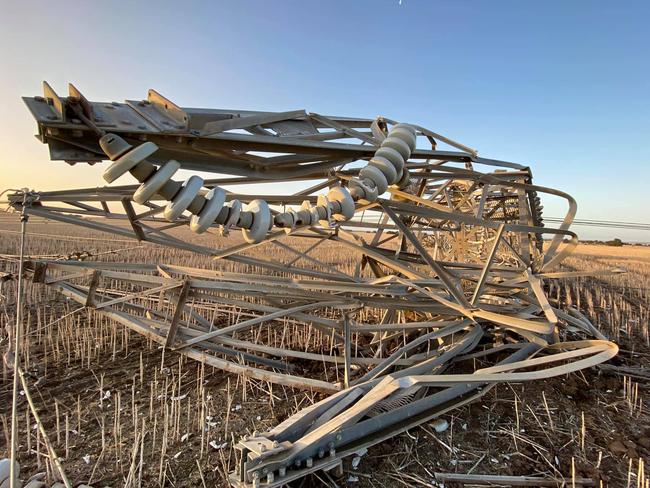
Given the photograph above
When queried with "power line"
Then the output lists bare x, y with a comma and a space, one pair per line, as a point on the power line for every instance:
615, 224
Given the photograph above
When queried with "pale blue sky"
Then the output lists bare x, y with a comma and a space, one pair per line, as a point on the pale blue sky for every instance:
562, 86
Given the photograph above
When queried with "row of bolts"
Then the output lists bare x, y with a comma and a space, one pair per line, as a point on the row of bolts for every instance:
386, 167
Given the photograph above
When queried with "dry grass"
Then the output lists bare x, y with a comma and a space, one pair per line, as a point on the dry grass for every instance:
122, 412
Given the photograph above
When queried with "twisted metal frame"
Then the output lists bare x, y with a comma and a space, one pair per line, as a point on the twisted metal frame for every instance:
450, 263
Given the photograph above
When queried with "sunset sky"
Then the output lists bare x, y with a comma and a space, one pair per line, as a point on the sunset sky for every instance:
561, 86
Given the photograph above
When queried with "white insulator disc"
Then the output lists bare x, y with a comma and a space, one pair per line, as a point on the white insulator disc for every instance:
376, 176
386, 167
156, 181
208, 214
342, 196
129, 161
408, 127
314, 216
405, 180
323, 202
391, 155
406, 135
261, 221
234, 213
399, 145
183, 198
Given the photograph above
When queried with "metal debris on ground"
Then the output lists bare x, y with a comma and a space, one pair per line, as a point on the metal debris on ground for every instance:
435, 293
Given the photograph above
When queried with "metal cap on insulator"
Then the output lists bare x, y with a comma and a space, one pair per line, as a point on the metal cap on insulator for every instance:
342, 197
316, 213
323, 203
375, 175
260, 223
406, 135
408, 127
234, 209
114, 146
285, 219
363, 189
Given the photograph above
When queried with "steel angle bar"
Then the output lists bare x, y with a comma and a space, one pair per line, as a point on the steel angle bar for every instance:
441, 272
347, 130
402, 234
247, 323
488, 263
138, 326
215, 127
389, 361
412, 410
331, 436
536, 286
132, 296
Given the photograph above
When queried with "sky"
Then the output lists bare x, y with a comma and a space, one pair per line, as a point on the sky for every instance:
563, 87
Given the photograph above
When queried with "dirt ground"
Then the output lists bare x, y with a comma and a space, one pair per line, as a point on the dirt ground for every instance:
101, 391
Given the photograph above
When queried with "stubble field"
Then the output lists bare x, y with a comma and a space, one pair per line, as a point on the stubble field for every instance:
121, 412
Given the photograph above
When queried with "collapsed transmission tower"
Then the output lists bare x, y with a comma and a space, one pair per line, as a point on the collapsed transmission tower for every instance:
444, 301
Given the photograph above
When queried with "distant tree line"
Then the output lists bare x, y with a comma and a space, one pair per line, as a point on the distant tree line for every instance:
616, 242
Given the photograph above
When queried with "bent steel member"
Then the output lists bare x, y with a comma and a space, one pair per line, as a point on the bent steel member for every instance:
434, 295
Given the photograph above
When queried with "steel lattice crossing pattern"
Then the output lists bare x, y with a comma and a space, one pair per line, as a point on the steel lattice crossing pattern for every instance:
449, 263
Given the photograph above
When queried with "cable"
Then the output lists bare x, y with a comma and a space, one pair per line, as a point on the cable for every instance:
604, 223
